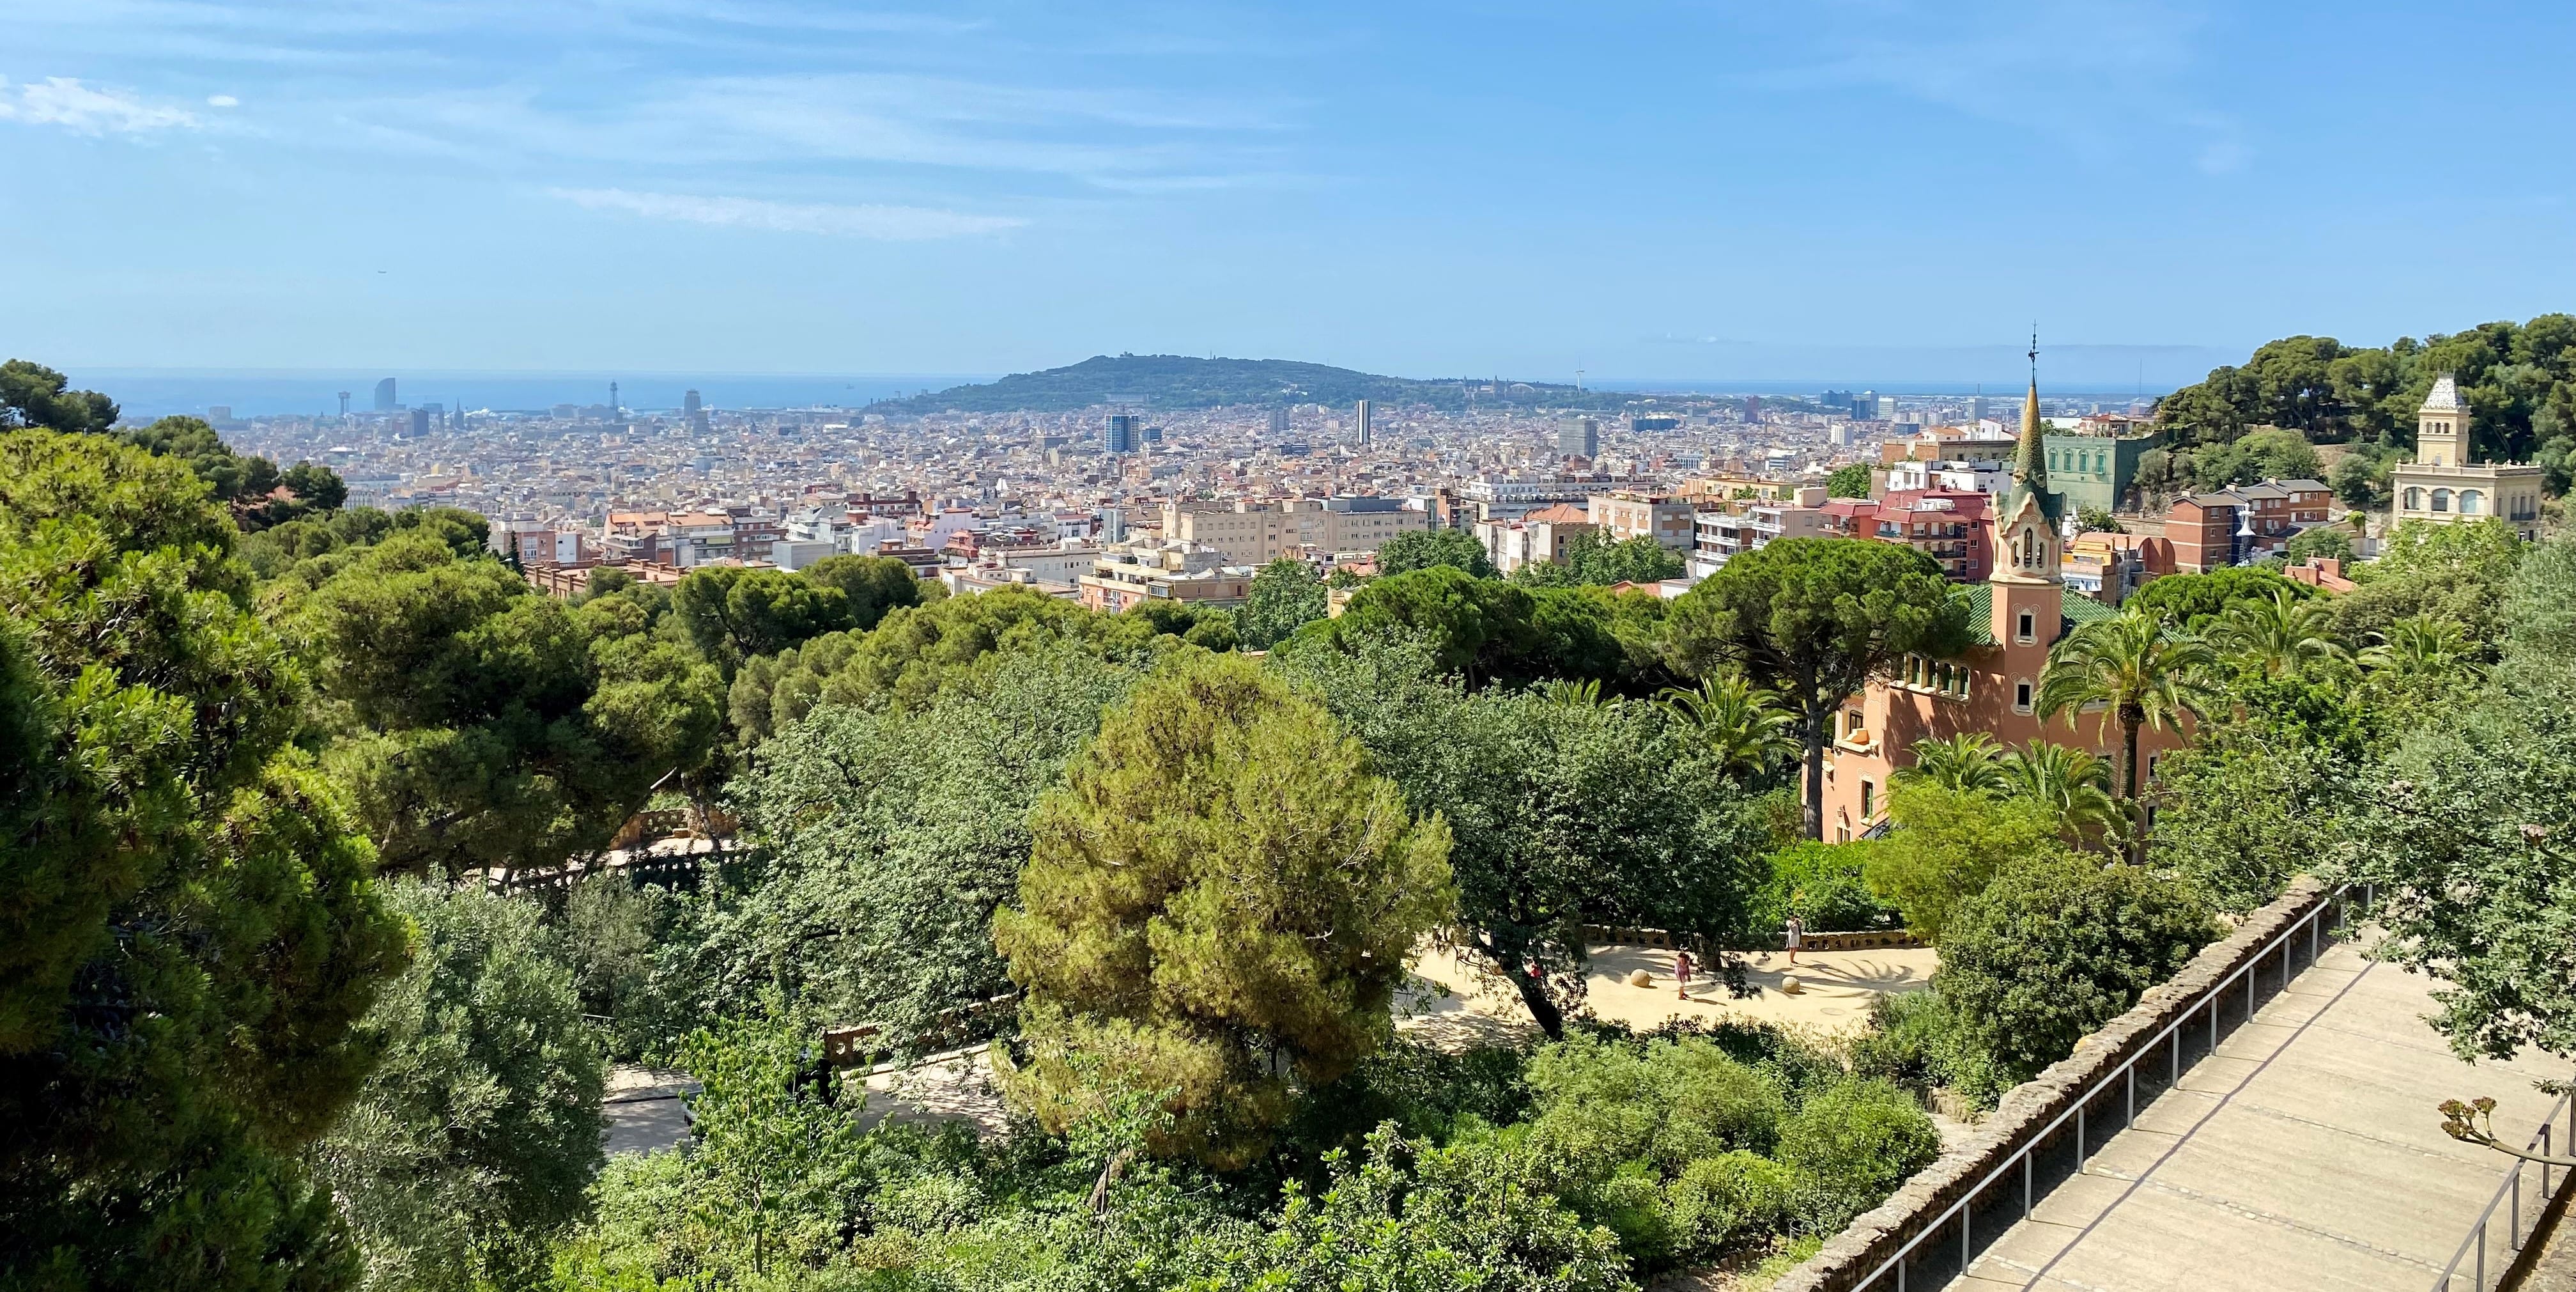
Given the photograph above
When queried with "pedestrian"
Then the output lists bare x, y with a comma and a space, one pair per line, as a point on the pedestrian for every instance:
1682, 973
1794, 935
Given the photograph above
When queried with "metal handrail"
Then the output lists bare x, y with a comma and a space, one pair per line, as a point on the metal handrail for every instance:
2128, 1070
2511, 1189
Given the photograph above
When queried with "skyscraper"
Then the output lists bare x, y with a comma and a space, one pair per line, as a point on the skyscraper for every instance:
695, 411
1118, 433
1278, 421
1579, 437
420, 421
344, 403
385, 396
1363, 416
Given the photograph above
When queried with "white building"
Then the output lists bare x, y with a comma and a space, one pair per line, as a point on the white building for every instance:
2445, 483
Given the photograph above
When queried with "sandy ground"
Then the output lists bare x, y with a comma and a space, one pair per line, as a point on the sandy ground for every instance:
1443, 1005
1836, 990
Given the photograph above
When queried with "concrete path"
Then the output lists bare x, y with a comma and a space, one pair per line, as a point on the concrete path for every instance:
2306, 1153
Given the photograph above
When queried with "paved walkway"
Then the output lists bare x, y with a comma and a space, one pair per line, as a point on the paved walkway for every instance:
2306, 1153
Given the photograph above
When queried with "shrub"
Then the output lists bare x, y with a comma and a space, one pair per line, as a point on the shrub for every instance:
1918, 1041
1664, 1103
1721, 1201
1850, 1146
2053, 949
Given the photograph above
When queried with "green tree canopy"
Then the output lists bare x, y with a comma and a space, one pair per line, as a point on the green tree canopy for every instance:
732, 614
1948, 845
1286, 596
484, 725
2192, 602
2456, 572
1848, 481
1426, 548
1563, 814
1218, 905
1814, 619
475, 1138
33, 395
187, 931
884, 839
873, 586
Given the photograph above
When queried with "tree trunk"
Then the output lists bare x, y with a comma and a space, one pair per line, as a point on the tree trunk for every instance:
1814, 736
2129, 724
1543, 1011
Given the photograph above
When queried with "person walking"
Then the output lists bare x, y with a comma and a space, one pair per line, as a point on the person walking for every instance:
1682, 973
1794, 935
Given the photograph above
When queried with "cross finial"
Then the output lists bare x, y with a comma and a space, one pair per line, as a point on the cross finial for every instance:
2034, 351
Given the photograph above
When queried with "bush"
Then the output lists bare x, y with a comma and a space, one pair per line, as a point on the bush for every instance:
1665, 1103
1918, 1041
1850, 1146
1722, 1200
1823, 884
1948, 845
2054, 949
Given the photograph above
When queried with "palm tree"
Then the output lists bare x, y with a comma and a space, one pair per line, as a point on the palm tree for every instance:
2278, 635
2421, 646
1737, 721
2070, 781
2139, 671
1969, 762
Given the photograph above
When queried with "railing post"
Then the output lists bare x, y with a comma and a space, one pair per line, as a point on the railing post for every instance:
1967, 1211
2079, 1137
2481, 1283
2513, 1216
2025, 1184
2132, 1118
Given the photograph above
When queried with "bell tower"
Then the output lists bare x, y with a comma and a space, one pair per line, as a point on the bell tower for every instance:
2442, 427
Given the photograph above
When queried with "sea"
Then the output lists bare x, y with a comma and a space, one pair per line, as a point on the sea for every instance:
160, 392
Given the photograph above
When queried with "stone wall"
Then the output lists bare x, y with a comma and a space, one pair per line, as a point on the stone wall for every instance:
2028, 1109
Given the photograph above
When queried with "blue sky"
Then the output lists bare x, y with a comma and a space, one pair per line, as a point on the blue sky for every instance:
1827, 189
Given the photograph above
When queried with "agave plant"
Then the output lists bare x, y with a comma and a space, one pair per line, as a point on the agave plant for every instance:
1579, 695
1970, 762
2278, 635
1737, 721
2074, 783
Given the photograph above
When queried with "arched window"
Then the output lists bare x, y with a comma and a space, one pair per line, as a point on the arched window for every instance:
2414, 500
2472, 502
2441, 500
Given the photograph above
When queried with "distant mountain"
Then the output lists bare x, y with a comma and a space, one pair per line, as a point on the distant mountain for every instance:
1171, 381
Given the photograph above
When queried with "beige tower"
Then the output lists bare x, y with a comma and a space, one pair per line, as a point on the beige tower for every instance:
2442, 427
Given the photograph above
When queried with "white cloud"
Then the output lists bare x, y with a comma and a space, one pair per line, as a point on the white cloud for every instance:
885, 223
222, 101
65, 101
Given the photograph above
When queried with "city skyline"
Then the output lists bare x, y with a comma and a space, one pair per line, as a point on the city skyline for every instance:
1841, 192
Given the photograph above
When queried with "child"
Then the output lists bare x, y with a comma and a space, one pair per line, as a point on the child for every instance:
1682, 973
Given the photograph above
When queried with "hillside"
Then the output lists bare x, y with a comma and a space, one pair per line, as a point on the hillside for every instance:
1162, 381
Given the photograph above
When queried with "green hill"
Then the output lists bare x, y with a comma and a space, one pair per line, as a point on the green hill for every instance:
1166, 381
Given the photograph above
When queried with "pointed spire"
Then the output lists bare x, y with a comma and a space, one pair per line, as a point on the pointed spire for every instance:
2030, 458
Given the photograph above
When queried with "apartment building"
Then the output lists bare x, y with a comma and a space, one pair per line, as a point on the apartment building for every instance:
1123, 578
1624, 514
2233, 526
1250, 533
1539, 538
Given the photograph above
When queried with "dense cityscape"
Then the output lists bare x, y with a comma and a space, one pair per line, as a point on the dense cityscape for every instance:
777, 646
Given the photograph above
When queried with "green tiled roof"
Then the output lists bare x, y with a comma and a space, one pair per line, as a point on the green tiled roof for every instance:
2074, 608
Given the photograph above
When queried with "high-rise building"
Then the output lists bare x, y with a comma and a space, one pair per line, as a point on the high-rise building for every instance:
385, 396
1118, 433
1364, 419
695, 410
1753, 408
1278, 421
420, 421
1579, 437
1887, 408
1976, 409
344, 403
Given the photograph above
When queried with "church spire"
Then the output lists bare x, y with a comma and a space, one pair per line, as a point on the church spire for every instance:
2030, 457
